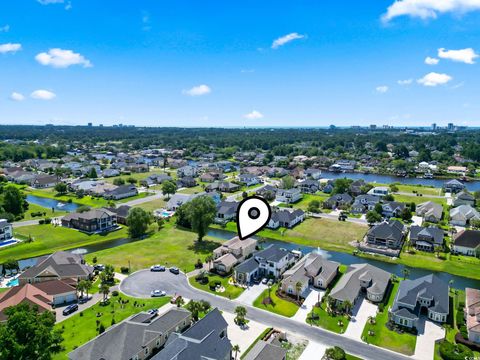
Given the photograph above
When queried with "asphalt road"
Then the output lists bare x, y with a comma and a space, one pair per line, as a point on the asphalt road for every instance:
141, 283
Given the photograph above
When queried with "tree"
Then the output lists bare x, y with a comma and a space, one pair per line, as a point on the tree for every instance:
105, 290
314, 206
82, 287
132, 180
179, 301
298, 288
194, 307
118, 181
241, 313
92, 174
13, 200
83, 208
201, 212
138, 221
378, 208
406, 214
61, 188
169, 188
27, 334
288, 182
341, 185
347, 305
335, 353
373, 217
393, 188
236, 350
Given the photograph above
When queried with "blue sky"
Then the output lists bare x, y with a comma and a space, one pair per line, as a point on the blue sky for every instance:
240, 63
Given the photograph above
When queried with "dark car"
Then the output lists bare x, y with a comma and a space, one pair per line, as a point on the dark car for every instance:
70, 309
174, 270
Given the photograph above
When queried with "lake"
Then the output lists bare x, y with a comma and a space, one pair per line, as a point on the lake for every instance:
459, 282
388, 179
52, 203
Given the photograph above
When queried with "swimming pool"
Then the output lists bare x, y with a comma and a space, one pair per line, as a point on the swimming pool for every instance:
8, 242
13, 282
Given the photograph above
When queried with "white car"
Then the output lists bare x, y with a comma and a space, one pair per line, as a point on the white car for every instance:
158, 293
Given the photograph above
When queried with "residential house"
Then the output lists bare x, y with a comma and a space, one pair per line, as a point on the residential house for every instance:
212, 176
62, 292
270, 262
361, 279
24, 294
60, 265
43, 181
223, 186
232, 252
249, 179
472, 314
179, 199
428, 294
426, 238
287, 218
464, 198
92, 221
267, 191
308, 186
314, 174
460, 170
6, 230
226, 211
138, 337
288, 196
186, 182
110, 173
430, 211
467, 242
392, 209
155, 179
364, 203
453, 186
390, 235
341, 201
121, 192
137, 168
187, 170
462, 215
313, 270
355, 188
379, 191
343, 165
121, 212
206, 339
263, 350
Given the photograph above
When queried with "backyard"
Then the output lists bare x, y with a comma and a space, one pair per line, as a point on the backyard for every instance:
83, 326
277, 305
153, 205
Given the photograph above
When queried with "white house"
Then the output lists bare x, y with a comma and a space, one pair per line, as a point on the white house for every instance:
288, 196
6, 230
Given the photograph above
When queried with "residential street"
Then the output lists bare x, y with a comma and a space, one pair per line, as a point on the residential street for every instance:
142, 282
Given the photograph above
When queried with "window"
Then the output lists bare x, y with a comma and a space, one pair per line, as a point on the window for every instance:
146, 351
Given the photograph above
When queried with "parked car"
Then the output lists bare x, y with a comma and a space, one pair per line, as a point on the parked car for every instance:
174, 270
264, 281
99, 267
157, 268
70, 309
158, 293
174, 299
152, 311
270, 282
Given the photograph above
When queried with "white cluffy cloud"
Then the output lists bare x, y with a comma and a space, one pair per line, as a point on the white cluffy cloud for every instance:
466, 56
431, 61
425, 9
254, 115
405, 82
59, 58
5, 28
15, 96
10, 47
382, 89
434, 79
43, 95
286, 39
198, 90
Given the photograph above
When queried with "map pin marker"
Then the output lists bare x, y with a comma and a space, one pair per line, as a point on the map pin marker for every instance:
253, 215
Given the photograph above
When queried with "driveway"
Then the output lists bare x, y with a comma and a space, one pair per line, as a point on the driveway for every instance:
361, 312
428, 333
312, 298
140, 284
417, 220
245, 336
314, 350
251, 293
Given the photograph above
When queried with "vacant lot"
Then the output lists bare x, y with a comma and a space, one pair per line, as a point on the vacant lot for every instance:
153, 205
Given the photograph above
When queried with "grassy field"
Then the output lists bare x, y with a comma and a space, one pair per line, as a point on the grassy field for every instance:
138, 196
278, 306
3, 290
419, 199
48, 239
79, 329
51, 194
153, 205
383, 337
141, 176
192, 190
425, 190
37, 208
231, 291
303, 203
169, 246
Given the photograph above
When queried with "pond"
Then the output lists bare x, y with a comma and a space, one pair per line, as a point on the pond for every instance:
459, 282
388, 179
52, 203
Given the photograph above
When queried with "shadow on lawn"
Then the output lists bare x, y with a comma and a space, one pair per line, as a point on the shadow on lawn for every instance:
204, 246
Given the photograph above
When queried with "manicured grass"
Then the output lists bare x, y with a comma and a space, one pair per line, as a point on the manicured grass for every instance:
419, 199
277, 306
3, 290
335, 323
383, 337
138, 196
48, 239
425, 190
37, 208
191, 190
169, 246
231, 291
153, 205
51, 194
307, 198
140, 176
83, 326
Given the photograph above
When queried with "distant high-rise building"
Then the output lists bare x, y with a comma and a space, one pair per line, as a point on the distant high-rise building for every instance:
90, 125
434, 126
373, 127
450, 127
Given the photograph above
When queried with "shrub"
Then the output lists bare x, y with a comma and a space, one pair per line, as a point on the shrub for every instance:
450, 351
101, 329
124, 270
115, 293
41, 221
48, 221
212, 284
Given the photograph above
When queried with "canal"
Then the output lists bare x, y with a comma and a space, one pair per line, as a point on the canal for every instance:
52, 203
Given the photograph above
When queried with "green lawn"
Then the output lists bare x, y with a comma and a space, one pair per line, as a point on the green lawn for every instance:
307, 198
141, 176
48, 239
278, 306
419, 199
335, 323
231, 291
3, 290
83, 326
383, 337
153, 205
138, 196
425, 190
51, 194
37, 208
192, 190
169, 246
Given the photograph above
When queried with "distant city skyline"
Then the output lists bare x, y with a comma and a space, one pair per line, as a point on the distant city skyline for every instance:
240, 64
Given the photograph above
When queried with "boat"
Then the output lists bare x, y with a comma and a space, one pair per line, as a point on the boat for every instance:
60, 204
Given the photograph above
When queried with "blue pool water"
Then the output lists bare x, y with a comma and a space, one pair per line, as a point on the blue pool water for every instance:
52, 203
13, 282
7, 242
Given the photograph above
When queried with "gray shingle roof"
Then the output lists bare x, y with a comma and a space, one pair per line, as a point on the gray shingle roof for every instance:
431, 234
265, 351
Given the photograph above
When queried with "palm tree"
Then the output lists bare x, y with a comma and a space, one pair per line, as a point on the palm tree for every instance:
347, 306
81, 287
194, 307
179, 302
105, 290
298, 288
241, 313
236, 350
88, 286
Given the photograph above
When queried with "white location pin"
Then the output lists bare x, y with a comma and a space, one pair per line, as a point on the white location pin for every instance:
252, 215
